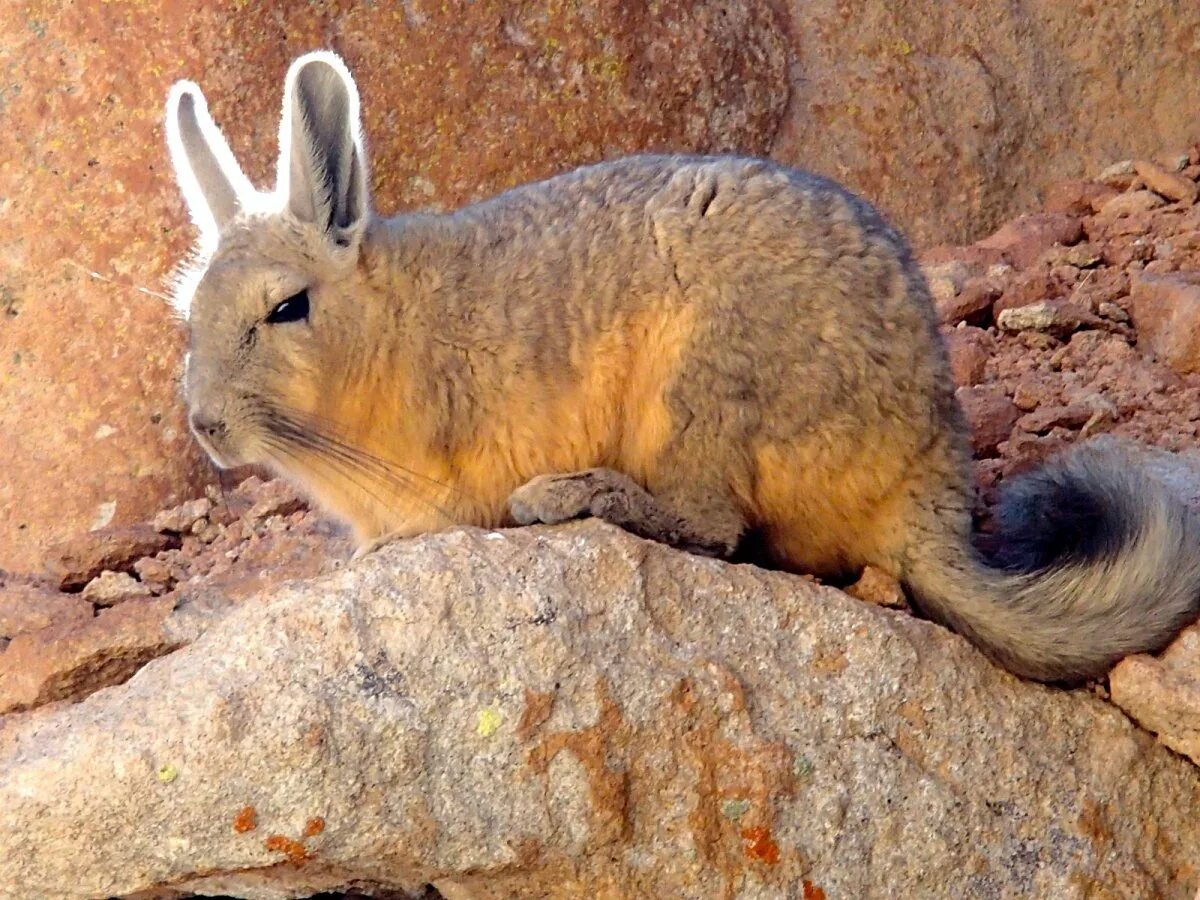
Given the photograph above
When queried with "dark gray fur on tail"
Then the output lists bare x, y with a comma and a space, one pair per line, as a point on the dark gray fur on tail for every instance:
1095, 560
1073, 512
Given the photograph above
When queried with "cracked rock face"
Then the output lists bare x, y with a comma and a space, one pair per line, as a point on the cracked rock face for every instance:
573, 712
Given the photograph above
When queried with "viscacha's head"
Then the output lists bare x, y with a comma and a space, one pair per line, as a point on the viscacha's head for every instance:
269, 300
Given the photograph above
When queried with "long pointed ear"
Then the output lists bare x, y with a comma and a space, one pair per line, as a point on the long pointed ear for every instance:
322, 166
212, 183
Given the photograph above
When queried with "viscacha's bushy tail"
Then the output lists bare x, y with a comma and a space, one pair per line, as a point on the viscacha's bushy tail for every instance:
1095, 560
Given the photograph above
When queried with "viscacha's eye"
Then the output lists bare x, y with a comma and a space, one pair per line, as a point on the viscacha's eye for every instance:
293, 309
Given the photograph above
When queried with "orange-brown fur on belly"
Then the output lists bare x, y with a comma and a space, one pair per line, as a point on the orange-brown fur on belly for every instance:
613, 414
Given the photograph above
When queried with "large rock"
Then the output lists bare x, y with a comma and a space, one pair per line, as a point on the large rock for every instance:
990, 416
1162, 694
957, 115
576, 713
76, 656
461, 101
1166, 311
30, 607
1026, 238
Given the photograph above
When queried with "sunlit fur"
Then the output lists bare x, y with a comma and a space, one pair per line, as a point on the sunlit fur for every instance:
752, 345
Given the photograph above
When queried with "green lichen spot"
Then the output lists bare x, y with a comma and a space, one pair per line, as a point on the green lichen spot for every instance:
735, 809
802, 767
167, 773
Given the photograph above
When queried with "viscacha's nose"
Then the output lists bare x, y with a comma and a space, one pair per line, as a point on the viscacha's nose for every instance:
205, 425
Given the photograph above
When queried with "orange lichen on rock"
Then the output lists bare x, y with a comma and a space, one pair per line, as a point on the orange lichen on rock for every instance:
812, 892
758, 844
314, 826
738, 786
245, 820
293, 850
538, 705
600, 750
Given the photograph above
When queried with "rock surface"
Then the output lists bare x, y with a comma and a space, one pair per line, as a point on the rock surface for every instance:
573, 712
1171, 185
957, 115
28, 607
990, 416
65, 645
1023, 240
1163, 694
1166, 311
1092, 337
75, 562
969, 349
72, 659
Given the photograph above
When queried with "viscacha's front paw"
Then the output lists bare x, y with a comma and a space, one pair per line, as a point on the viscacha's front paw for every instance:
551, 499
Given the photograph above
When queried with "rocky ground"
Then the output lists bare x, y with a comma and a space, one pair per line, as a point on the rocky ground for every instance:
572, 713
1078, 320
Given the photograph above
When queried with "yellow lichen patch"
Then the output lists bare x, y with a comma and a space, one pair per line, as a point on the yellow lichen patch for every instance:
488, 722
168, 773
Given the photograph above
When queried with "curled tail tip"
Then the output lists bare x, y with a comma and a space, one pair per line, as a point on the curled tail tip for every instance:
1109, 545
1094, 560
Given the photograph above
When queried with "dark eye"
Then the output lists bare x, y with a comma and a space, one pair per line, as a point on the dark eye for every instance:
293, 309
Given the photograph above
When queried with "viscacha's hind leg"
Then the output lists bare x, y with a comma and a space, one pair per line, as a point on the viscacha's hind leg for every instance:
690, 521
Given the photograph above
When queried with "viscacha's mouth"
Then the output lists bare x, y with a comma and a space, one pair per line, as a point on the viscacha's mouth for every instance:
221, 460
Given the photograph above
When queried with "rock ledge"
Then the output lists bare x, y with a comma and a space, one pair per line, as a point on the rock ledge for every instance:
578, 712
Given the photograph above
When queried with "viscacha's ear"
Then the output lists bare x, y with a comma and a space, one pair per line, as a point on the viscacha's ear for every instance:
322, 165
213, 185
